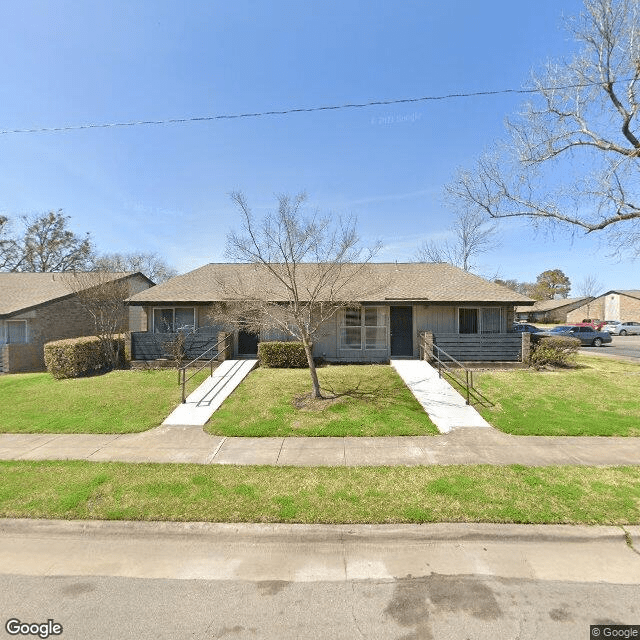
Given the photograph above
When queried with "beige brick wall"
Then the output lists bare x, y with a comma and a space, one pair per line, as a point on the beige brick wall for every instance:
629, 310
21, 358
59, 320
594, 310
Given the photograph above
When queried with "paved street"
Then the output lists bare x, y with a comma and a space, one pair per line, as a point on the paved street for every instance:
171, 580
622, 346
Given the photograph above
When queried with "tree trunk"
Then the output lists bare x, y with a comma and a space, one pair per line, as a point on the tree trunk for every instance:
308, 349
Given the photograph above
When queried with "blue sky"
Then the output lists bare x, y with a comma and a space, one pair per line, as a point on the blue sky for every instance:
166, 188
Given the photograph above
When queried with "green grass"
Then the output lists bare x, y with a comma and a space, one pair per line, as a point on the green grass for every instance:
116, 402
367, 400
185, 492
599, 397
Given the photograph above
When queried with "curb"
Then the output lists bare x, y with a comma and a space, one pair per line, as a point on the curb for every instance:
301, 533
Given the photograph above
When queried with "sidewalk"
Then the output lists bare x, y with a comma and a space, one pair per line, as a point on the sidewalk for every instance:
182, 444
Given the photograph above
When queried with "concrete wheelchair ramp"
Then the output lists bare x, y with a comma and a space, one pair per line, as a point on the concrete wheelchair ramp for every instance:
202, 403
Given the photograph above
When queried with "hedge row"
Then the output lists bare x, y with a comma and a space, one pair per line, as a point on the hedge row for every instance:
282, 355
77, 357
556, 351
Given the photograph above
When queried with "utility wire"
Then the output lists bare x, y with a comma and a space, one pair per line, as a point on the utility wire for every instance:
284, 112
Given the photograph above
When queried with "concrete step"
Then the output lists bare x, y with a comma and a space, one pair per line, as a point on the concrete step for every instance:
202, 403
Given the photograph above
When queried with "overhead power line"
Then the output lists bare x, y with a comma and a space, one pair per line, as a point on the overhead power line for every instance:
285, 112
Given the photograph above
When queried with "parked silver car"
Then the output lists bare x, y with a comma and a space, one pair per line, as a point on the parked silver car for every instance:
588, 336
617, 328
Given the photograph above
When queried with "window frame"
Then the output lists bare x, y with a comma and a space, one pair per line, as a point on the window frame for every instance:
362, 326
480, 321
26, 331
173, 317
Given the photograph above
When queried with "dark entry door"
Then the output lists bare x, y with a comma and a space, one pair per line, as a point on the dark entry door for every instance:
401, 326
247, 343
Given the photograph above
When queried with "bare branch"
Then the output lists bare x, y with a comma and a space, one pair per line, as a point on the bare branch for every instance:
304, 265
572, 157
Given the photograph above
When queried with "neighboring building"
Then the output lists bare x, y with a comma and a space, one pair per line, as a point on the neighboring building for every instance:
551, 310
623, 305
469, 317
36, 308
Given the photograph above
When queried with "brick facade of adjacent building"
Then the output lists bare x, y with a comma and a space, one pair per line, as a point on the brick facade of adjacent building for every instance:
613, 305
56, 320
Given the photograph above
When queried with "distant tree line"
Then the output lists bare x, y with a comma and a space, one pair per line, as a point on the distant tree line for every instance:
44, 243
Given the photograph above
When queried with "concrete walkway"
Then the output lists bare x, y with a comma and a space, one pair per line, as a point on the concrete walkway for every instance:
466, 439
201, 404
445, 406
183, 444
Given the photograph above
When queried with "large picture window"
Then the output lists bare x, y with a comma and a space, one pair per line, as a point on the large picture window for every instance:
172, 319
480, 320
364, 328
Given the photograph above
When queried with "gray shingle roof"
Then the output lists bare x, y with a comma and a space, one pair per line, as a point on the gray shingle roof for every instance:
377, 282
633, 293
541, 306
23, 291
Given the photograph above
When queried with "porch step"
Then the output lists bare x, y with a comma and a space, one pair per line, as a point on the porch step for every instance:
202, 403
445, 406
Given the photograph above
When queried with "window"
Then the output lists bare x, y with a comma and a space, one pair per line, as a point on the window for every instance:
364, 328
375, 328
351, 332
171, 319
468, 321
491, 317
16, 331
481, 320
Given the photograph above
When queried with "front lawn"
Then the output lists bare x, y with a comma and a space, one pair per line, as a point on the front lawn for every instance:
362, 400
599, 397
116, 402
187, 492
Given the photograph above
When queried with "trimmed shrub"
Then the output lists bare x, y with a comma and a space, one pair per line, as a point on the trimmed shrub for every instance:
282, 355
557, 351
78, 357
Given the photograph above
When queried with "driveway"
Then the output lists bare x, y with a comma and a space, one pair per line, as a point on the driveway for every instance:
622, 346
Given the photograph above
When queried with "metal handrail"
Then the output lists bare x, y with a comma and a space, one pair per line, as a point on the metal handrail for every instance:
468, 382
182, 371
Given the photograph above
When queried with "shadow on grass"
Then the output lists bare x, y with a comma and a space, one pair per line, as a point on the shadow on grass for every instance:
355, 392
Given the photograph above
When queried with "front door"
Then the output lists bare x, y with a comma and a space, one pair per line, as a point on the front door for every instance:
401, 327
247, 343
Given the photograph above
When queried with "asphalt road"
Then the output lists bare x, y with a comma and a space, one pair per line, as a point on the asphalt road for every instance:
433, 607
204, 581
625, 346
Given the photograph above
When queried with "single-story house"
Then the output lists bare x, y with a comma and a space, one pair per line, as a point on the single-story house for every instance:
36, 308
623, 305
468, 316
550, 310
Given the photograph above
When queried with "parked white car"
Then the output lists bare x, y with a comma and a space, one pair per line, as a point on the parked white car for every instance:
617, 328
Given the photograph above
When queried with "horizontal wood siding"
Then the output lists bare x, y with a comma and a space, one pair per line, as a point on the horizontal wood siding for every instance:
491, 347
151, 346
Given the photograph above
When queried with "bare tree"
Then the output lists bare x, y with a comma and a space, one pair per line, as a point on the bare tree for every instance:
152, 265
525, 288
304, 266
572, 154
589, 286
472, 237
10, 256
102, 295
48, 245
